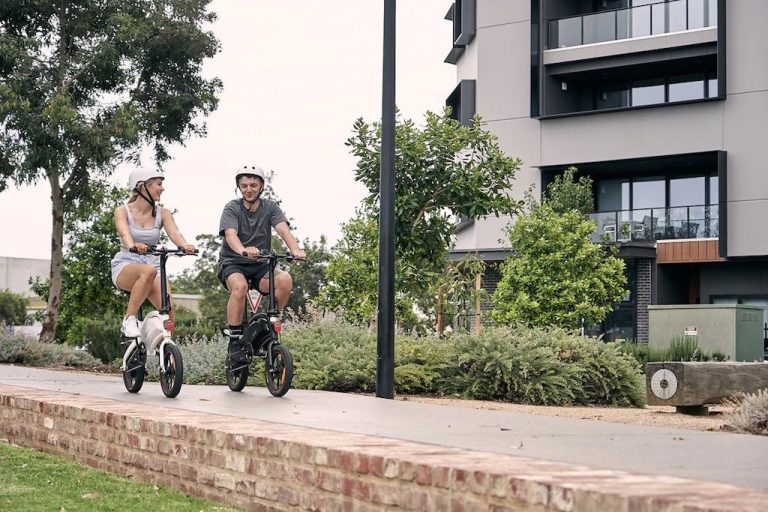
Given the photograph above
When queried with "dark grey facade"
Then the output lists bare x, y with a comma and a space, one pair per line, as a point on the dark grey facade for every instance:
663, 103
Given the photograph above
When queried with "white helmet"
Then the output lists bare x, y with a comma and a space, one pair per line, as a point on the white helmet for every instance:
141, 175
250, 170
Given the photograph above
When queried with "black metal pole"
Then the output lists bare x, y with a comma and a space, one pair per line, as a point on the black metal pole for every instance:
385, 347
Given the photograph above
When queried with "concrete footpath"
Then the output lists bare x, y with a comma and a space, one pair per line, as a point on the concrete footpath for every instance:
739, 460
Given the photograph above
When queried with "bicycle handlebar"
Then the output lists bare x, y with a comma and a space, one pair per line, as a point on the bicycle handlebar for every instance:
158, 250
268, 256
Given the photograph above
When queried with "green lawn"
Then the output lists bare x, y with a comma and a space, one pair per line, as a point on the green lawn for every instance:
34, 481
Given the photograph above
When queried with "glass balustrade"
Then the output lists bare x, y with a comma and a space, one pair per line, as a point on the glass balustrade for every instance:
632, 22
648, 225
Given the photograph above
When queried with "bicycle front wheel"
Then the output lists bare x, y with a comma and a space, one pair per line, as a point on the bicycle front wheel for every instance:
236, 379
279, 373
172, 375
133, 375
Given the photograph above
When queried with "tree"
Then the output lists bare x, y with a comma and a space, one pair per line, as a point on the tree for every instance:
309, 275
13, 308
458, 293
566, 194
557, 276
84, 84
87, 289
443, 170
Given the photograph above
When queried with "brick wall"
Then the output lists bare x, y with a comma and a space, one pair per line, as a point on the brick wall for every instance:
262, 466
643, 298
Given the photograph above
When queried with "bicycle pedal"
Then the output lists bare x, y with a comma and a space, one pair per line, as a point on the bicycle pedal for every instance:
240, 366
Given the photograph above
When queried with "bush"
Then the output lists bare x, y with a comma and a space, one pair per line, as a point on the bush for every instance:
13, 308
30, 352
546, 367
534, 366
332, 357
100, 336
751, 413
681, 348
204, 360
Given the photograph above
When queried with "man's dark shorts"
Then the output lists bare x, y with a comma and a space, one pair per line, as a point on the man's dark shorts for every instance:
252, 271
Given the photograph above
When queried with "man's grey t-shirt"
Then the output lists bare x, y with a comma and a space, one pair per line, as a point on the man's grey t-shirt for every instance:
254, 229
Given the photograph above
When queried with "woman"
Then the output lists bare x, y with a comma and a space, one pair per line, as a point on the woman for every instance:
139, 223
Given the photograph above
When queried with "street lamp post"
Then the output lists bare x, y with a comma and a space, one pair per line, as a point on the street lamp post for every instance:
385, 347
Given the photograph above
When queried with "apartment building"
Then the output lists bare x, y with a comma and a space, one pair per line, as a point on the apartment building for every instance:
663, 103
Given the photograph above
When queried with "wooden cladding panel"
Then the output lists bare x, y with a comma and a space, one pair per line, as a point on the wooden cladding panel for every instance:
687, 251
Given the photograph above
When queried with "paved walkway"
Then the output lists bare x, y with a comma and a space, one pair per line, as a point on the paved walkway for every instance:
736, 459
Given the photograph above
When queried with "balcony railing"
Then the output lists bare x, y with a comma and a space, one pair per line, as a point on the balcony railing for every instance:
653, 224
628, 23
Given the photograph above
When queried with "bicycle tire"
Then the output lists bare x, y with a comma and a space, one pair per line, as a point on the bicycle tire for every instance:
133, 378
172, 376
236, 379
279, 374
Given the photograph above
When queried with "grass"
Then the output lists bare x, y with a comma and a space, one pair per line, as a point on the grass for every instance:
34, 481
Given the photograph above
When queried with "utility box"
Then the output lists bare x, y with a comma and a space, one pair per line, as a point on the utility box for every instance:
735, 330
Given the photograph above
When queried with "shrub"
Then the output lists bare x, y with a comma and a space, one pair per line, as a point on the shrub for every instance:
204, 360
535, 366
13, 308
332, 357
681, 348
751, 413
100, 336
28, 351
548, 367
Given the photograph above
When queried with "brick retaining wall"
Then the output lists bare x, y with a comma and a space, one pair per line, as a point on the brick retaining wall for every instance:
263, 466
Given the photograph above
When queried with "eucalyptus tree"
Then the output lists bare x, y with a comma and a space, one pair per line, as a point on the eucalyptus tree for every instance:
85, 85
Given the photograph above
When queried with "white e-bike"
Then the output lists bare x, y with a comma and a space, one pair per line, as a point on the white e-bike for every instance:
155, 339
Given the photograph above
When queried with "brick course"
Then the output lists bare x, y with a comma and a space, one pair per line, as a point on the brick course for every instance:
262, 466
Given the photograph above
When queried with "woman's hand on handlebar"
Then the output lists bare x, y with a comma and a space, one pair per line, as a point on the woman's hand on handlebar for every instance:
251, 252
139, 248
188, 248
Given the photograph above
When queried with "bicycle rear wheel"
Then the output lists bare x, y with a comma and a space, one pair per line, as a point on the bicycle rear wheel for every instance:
172, 376
133, 375
279, 374
236, 379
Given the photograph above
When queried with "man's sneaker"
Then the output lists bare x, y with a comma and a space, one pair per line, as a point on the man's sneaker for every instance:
237, 352
130, 327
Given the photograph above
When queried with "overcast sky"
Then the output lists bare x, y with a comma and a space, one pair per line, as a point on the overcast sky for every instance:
296, 74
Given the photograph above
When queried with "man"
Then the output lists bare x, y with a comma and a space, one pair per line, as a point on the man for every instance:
246, 225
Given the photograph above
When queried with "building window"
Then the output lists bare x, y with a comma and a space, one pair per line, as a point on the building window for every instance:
648, 92
686, 87
616, 20
656, 91
462, 102
463, 16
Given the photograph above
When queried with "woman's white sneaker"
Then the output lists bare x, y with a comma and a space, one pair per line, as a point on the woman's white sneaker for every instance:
130, 327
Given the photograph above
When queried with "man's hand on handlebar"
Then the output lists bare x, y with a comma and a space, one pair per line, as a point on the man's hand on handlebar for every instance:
299, 255
251, 252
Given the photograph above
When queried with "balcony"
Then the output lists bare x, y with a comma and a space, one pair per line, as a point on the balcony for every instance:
633, 22
650, 225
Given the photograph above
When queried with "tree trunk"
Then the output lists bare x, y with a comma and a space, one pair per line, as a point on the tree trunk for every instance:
57, 255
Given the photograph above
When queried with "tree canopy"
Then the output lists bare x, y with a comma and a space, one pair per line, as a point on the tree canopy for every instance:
558, 276
443, 170
87, 84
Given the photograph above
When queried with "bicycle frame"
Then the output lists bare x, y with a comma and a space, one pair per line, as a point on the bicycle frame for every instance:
272, 310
